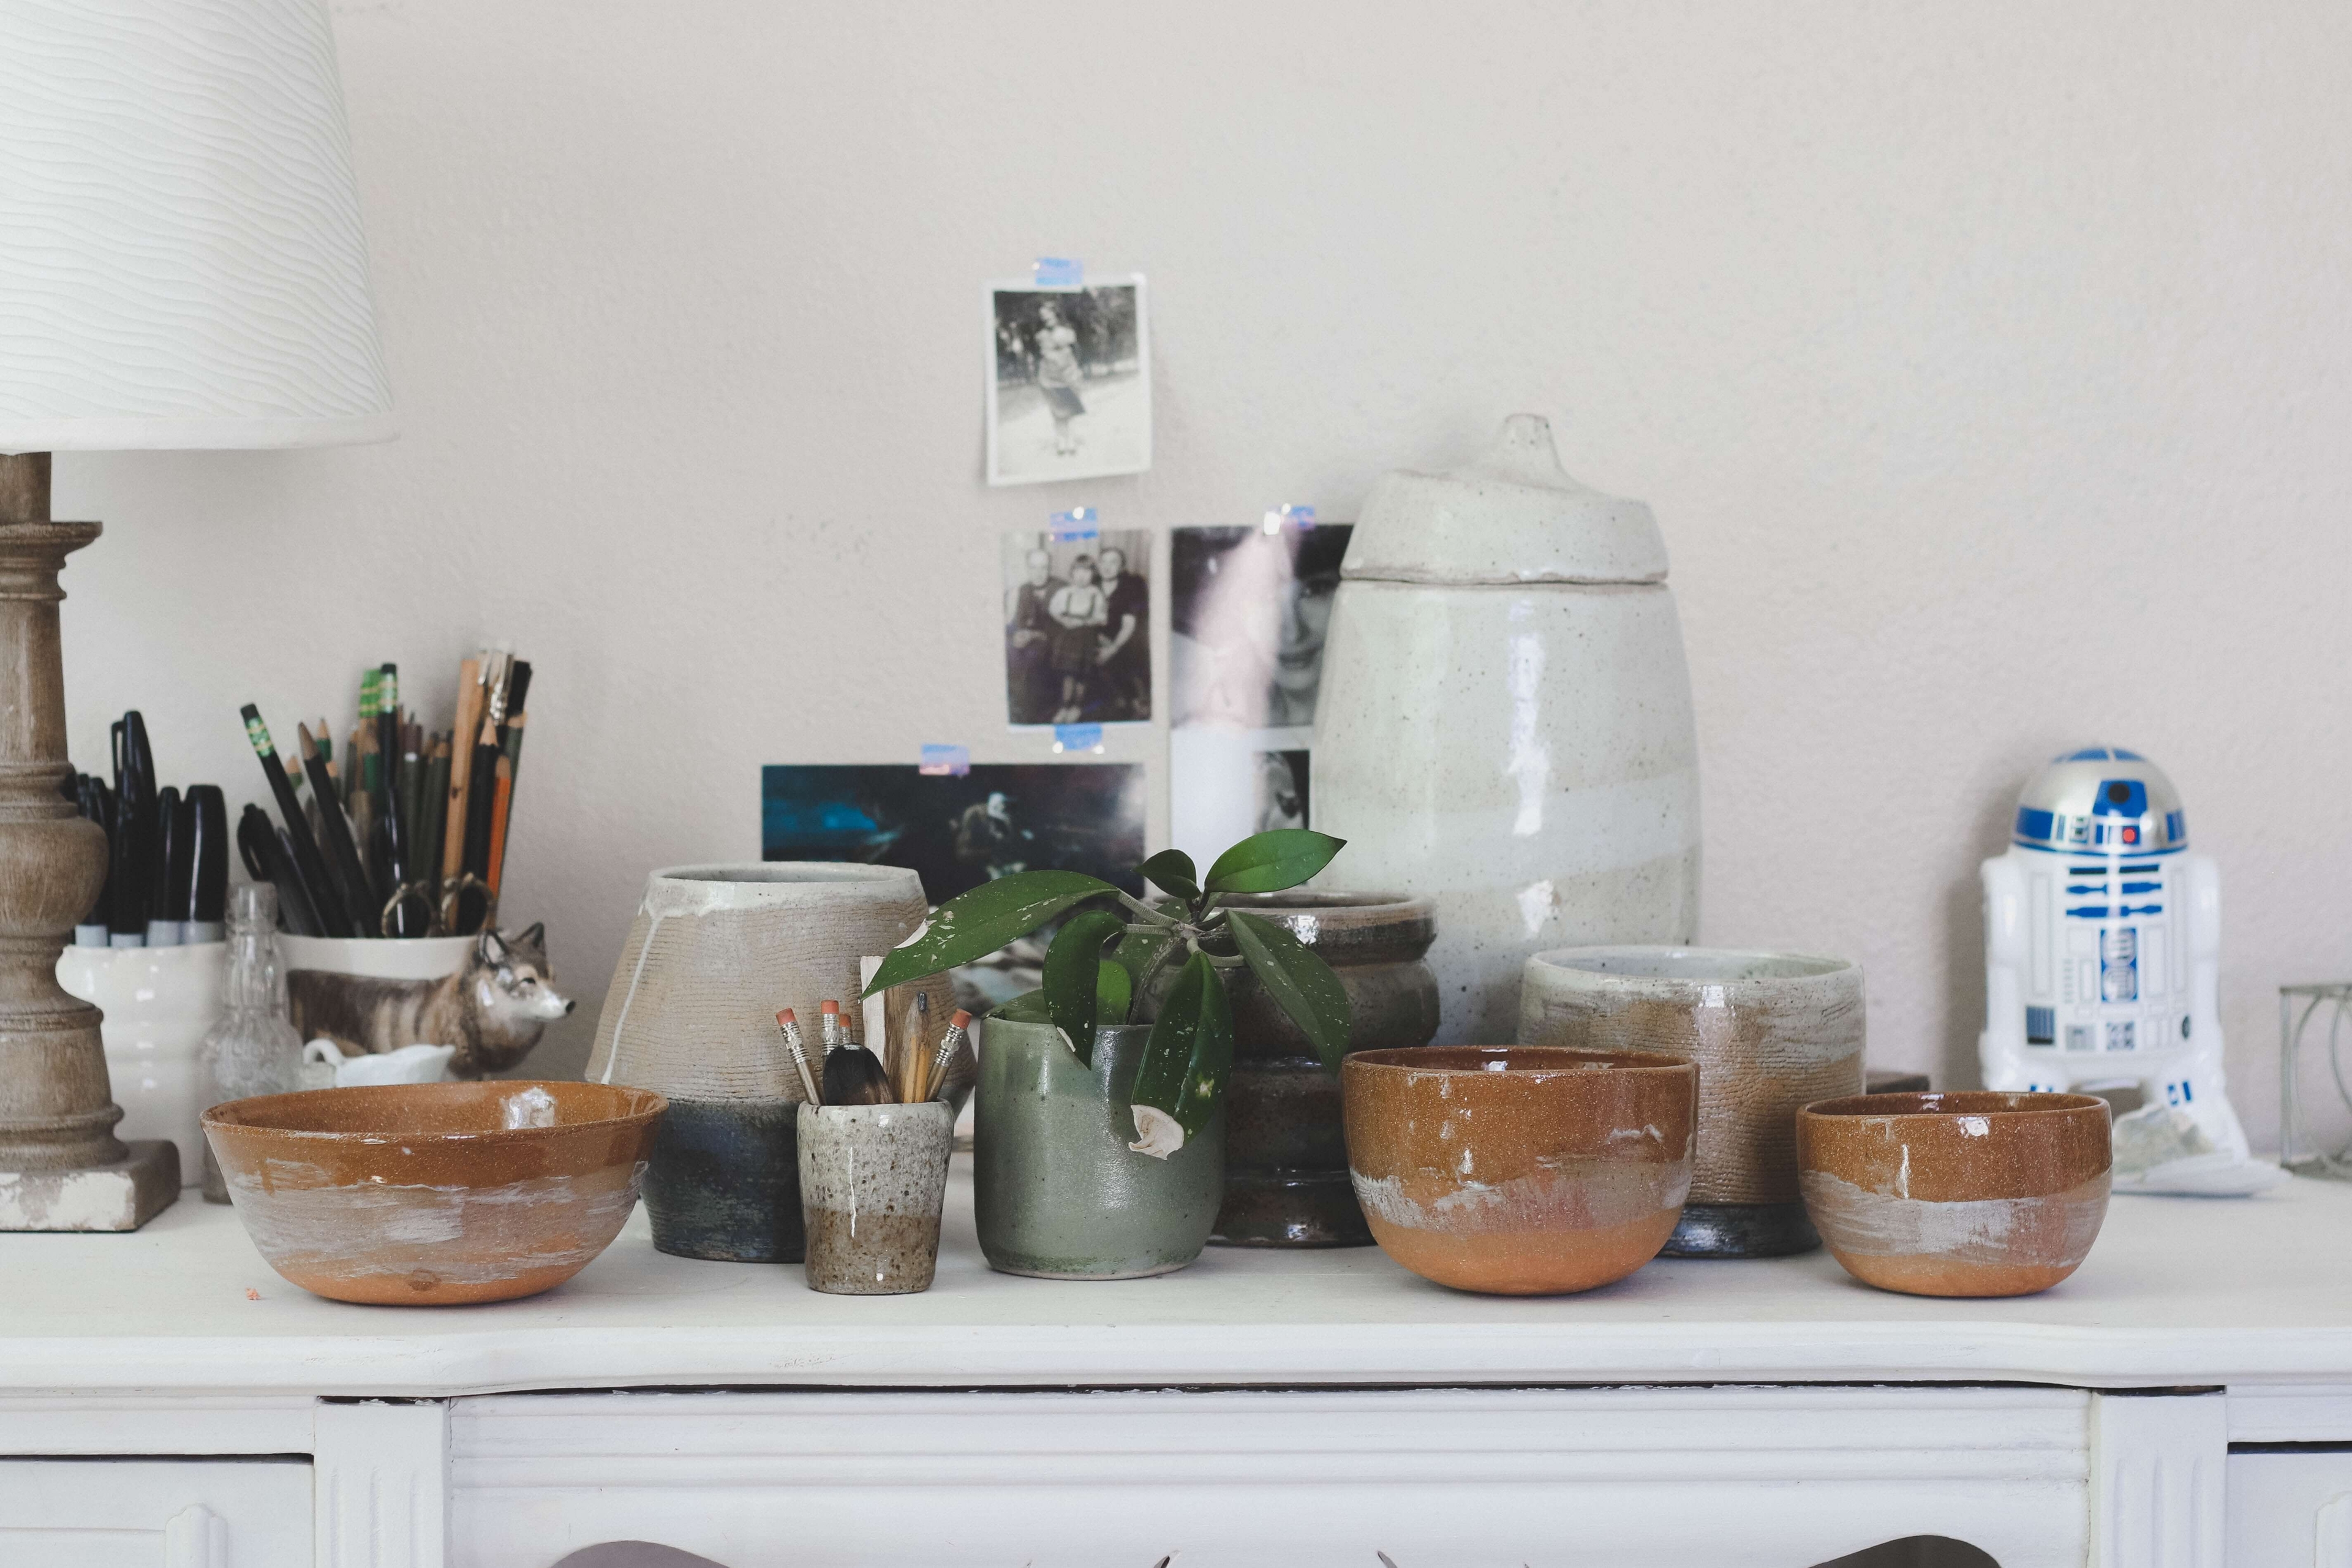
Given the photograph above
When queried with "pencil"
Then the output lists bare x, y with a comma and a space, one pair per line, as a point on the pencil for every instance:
437, 810
500, 798
342, 855
461, 769
308, 864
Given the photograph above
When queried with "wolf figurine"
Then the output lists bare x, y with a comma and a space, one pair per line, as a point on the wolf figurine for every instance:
493, 1009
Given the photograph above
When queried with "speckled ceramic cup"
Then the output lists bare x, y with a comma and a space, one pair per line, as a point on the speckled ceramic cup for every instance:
1957, 1195
433, 1194
1520, 1170
873, 1179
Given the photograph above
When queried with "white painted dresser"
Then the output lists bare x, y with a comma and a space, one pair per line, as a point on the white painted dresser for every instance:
2185, 1401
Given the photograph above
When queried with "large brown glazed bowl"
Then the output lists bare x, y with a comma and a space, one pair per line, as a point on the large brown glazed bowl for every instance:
1957, 1195
1520, 1170
423, 1194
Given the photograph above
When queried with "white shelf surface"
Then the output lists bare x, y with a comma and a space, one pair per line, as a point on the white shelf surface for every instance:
2177, 1292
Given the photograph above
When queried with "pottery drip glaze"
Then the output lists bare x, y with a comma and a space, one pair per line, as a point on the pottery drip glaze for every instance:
1286, 1155
1505, 721
714, 953
433, 1194
1958, 1194
1520, 1170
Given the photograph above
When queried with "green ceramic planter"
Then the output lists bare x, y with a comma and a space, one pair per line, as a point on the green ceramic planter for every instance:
1058, 1193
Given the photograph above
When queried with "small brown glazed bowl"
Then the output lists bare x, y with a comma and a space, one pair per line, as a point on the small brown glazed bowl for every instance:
434, 1193
1957, 1195
1520, 1170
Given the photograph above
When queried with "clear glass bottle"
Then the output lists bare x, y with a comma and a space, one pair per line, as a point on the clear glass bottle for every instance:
254, 1048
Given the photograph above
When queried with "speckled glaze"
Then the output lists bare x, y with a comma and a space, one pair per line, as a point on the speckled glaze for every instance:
1770, 1031
1505, 721
433, 1194
873, 1178
1056, 1192
1957, 1195
1520, 1170
1286, 1155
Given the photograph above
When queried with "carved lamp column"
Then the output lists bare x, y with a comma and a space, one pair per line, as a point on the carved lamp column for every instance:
181, 266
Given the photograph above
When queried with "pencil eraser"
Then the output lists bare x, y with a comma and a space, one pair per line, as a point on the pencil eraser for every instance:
961, 1018
832, 1007
786, 1017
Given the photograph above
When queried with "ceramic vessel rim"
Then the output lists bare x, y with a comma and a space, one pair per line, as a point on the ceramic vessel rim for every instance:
1906, 1104
856, 1113
1343, 900
1571, 1061
226, 1114
1821, 966
783, 874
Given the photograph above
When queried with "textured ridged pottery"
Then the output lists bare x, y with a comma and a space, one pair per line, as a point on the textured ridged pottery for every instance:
1770, 1031
433, 1194
1286, 1153
691, 1012
1958, 1194
1520, 1170
1056, 1192
1504, 722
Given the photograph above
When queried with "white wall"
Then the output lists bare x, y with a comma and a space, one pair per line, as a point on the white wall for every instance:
1987, 367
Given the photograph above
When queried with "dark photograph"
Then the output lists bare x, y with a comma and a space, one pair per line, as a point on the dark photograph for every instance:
1069, 383
1248, 611
957, 833
1077, 626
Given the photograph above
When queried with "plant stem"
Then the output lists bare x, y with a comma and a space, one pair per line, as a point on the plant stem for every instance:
1220, 962
1146, 911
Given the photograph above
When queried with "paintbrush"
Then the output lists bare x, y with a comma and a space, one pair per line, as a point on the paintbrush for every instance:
792, 1047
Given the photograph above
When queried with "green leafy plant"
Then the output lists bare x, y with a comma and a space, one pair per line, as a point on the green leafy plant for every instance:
1114, 954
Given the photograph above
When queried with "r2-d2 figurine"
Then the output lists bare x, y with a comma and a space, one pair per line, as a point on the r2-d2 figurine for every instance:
2103, 941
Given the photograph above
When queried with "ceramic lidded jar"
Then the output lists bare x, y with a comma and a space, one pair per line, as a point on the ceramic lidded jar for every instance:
1505, 723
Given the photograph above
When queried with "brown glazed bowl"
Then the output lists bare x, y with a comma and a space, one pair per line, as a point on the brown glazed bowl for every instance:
1957, 1195
433, 1194
1520, 1170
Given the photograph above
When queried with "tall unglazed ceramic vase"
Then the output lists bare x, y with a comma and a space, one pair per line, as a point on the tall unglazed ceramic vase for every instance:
1504, 723
1056, 1192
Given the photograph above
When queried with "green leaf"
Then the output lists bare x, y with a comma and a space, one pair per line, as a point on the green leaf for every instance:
1171, 871
972, 925
1029, 1007
1073, 975
1187, 1058
1114, 993
1269, 862
1298, 980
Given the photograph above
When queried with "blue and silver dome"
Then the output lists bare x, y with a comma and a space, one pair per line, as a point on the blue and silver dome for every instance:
2101, 800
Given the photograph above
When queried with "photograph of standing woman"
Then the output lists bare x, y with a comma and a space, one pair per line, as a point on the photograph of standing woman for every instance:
1069, 384
1077, 627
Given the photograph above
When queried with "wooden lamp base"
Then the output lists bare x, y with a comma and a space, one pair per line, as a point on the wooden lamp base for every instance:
61, 1167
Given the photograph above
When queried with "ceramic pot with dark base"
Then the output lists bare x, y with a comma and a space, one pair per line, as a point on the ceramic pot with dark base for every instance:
1056, 1192
1768, 1031
714, 953
1286, 1153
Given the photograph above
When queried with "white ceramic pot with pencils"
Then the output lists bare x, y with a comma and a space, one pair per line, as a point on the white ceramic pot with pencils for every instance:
714, 953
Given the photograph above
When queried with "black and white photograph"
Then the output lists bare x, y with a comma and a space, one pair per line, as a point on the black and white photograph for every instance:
1077, 626
1069, 382
956, 832
1248, 611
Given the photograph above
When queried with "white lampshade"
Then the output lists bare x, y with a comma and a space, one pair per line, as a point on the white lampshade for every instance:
181, 260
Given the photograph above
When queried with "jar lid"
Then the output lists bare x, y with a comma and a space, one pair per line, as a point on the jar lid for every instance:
1513, 516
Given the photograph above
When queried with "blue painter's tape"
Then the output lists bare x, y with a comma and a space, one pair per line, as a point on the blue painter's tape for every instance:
946, 762
1288, 516
1079, 522
1077, 737
1059, 272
